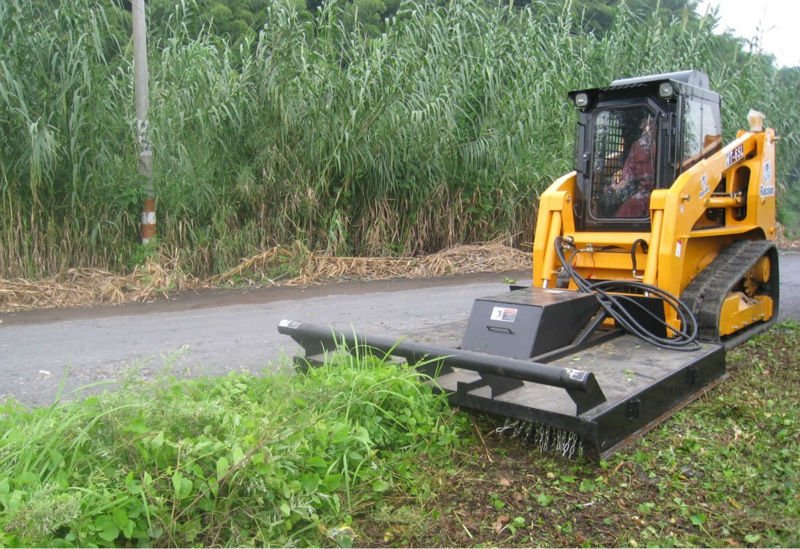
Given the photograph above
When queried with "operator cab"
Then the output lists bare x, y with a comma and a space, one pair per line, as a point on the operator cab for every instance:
637, 135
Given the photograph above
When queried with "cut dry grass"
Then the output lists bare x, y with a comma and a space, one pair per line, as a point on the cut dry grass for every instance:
316, 268
465, 259
162, 277
278, 266
82, 287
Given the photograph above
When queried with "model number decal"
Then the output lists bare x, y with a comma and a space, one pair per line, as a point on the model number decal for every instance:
734, 155
576, 375
504, 314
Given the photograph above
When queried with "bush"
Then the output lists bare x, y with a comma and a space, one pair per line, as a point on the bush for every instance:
240, 460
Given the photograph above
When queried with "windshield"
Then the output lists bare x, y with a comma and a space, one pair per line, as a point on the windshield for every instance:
623, 163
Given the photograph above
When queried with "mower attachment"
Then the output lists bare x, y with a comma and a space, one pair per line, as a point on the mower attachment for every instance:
600, 389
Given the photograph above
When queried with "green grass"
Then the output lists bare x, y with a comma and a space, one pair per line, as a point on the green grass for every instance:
234, 461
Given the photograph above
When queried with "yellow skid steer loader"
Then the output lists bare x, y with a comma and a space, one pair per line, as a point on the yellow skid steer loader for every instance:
650, 259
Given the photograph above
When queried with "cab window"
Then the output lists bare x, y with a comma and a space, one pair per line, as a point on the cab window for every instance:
702, 133
623, 162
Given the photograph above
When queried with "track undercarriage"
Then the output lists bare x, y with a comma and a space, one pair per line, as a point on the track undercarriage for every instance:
736, 296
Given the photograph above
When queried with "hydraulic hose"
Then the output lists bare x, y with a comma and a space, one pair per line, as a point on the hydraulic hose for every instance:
612, 297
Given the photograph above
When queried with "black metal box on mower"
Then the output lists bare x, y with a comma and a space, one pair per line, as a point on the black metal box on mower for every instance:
528, 322
540, 357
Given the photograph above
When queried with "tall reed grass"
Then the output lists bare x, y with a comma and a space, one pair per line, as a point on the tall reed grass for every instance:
441, 130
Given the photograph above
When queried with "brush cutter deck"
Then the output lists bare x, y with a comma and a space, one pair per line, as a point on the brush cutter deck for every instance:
538, 357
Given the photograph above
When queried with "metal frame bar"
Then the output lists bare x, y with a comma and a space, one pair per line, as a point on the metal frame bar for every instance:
581, 386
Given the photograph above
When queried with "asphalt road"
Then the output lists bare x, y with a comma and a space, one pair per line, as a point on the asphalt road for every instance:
44, 354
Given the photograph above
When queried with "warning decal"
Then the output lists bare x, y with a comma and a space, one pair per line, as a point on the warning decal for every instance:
504, 314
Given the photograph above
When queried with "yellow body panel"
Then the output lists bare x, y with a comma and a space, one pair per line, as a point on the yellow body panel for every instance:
682, 241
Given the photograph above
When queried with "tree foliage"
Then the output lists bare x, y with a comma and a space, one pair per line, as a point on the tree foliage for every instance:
598, 16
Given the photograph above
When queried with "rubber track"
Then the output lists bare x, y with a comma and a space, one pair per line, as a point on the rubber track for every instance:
705, 294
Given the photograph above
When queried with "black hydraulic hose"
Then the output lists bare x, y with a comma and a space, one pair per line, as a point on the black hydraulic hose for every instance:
636, 243
611, 295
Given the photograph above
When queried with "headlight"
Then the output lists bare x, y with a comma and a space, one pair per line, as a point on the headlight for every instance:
581, 100
756, 120
665, 90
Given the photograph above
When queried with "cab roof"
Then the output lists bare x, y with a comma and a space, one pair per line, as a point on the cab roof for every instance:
689, 82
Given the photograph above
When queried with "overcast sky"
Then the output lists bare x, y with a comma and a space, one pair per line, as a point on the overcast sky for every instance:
776, 23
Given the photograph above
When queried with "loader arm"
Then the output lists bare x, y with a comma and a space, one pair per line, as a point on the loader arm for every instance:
737, 182
555, 217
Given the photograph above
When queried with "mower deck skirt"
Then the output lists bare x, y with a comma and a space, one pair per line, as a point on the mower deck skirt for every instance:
642, 384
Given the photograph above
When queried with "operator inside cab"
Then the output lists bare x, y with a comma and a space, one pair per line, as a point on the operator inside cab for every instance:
627, 162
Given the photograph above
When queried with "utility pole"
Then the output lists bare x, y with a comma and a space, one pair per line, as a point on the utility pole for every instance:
142, 100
